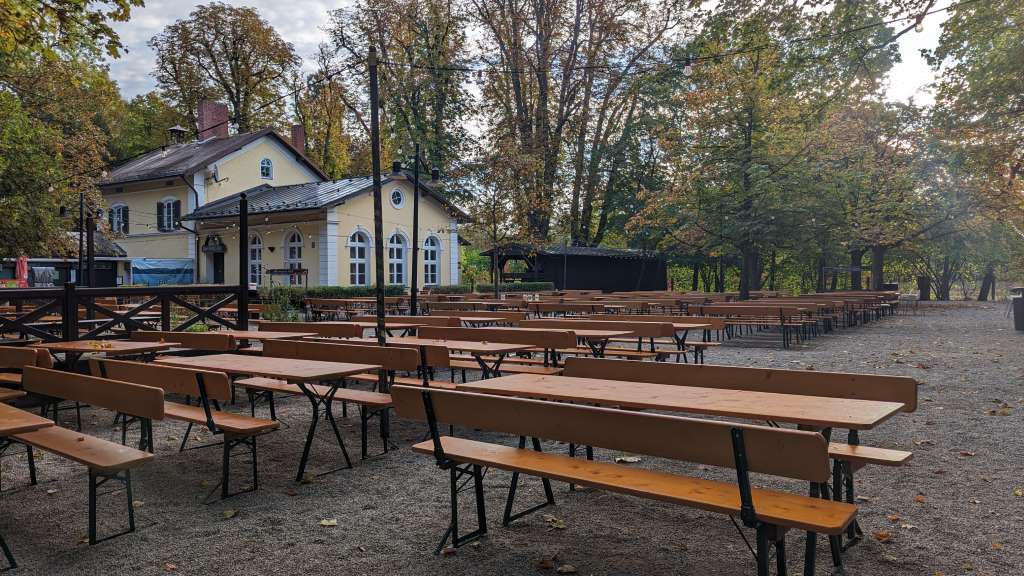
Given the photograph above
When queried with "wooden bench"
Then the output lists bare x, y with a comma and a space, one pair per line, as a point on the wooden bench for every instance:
547, 340
210, 389
637, 329
13, 359
424, 320
325, 329
105, 460
849, 456
372, 403
191, 342
506, 317
794, 454
698, 347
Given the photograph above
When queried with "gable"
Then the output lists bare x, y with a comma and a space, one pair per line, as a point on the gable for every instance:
240, 170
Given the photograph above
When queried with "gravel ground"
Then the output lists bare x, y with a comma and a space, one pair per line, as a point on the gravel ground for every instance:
953, 510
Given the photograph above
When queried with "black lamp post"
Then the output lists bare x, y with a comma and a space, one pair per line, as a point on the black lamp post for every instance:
378, 207
413, 303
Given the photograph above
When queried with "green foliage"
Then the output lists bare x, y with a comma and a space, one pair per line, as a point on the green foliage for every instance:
451, 289
292, 297
518, 287
53, 26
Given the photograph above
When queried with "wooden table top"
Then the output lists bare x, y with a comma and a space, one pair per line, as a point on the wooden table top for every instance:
6, 394
481, 319
264, 334
387, 325
105, 346
284, 368
589, 334
15, 421
464, 345
815, 411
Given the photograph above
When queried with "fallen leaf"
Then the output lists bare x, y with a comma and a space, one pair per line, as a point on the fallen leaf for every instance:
922, 366
329, 522
362, 548
923, 442
566, 569
169, 567
546, 564
997, 546
965, 453
938, 471
291, 493
229, 514
882, 535
893, 517
449, 551
627, 459
920, 499
137, 503
908, 526
1019, 492
306, 478
864, 499
554, 523
51, 491
974, 501
204, 483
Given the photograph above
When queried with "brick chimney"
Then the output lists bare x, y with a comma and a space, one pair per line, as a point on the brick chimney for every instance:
299, 137
213, 119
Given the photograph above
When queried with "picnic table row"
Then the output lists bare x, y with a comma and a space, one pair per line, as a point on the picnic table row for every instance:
319, 369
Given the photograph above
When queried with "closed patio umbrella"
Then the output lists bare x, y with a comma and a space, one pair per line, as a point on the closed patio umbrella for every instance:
21, 271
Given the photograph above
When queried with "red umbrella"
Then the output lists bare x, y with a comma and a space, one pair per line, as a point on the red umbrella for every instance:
21, 271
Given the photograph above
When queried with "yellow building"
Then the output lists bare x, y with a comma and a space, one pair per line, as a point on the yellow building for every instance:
176, 209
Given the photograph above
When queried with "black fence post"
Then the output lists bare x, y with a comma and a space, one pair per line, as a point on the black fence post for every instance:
243, 262
69, 313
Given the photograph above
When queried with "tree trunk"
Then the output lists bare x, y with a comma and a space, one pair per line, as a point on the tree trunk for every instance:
696, 274
771, 272
720, 276
856, 260
877, 266
835, 282
820, 285
747, 271
988, 284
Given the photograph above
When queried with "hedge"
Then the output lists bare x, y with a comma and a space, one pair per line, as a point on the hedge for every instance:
451, 289
518, 287
294, 295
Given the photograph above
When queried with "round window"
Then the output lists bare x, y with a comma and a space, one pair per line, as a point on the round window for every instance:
397, 198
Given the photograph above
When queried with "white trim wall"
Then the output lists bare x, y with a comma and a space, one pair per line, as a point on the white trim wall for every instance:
329, 249
453, 252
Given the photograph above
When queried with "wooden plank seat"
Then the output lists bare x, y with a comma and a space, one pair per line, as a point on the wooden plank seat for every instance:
848, 456
190, 342
544, 339
794, 454
209, 389
508, 366
7, 395
372, 404
105, 460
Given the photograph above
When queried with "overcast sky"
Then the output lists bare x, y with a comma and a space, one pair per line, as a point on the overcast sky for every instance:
301, 22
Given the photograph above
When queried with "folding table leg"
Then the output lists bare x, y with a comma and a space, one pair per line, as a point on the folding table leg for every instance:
11, 564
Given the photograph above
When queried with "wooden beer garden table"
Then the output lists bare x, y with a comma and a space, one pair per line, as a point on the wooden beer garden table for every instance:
74, 349
813, 411
303, 373
264, 334
479, 350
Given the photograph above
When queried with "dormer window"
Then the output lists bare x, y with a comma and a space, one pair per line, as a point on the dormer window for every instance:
266, 169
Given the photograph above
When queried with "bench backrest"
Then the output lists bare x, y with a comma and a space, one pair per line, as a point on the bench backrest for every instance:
510, 316
404, 359
209, 341
134, 399
635, 328
424, 320
789, 453
16, 357
328, 329
716, 322
171, 379
744, 311
553, 307
539, 337
804, 382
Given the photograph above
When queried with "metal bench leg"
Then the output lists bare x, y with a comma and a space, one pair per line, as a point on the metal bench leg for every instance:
97, 479
455, 475
230, 442
548, 493
11, 564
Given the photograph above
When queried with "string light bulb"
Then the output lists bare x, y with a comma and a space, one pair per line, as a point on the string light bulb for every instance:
919, 27
688, 67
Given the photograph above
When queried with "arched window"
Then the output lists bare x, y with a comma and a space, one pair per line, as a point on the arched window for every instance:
118, 219
255, 260
266, 169
397, 198
293, 255
357, 261
396, 259
431, 248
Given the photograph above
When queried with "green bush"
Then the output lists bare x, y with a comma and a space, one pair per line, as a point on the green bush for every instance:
518, 287
293, 296
451, 289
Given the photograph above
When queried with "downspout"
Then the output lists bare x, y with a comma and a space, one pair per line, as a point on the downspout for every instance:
195, 232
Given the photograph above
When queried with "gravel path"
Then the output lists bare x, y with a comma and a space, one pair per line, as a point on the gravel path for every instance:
953, 510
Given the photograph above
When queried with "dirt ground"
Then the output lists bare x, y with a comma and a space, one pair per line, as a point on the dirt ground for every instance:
953, 510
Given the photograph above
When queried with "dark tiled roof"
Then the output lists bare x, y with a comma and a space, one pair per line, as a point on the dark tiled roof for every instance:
590, 251
103, 246
266, 198
310, 196
185, 159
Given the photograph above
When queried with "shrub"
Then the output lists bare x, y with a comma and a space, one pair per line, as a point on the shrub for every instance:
451, 289
294, 296
518, 287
